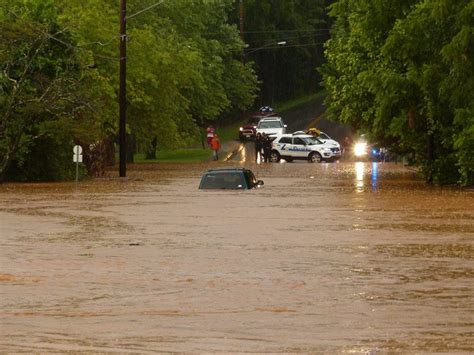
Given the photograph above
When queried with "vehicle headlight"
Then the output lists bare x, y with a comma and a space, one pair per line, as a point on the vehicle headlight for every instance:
241, 129
326, 149
360, 149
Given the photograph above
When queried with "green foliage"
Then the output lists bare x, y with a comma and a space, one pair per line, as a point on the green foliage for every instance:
42, 85
48, 159
182, 66
59, 75
300, 101
402, 72
286, 71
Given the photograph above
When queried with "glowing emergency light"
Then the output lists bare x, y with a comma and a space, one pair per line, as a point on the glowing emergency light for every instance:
360, 149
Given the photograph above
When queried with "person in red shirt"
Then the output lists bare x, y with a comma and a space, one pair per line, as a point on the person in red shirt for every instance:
210, 132
215, 146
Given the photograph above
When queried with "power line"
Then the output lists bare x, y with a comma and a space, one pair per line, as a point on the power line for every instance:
284, 46
69, 45
145, 9
99, 43
277, 31
257, 32
283, 38
77, 47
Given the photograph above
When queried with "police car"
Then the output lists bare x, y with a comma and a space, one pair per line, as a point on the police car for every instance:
303, 146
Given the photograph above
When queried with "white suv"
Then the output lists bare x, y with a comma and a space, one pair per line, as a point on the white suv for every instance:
271, 126
289, 147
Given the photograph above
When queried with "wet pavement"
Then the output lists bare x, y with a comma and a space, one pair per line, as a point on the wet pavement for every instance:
333, 258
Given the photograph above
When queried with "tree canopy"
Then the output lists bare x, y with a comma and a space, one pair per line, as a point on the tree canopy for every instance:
402, 71
59, 62
286, 70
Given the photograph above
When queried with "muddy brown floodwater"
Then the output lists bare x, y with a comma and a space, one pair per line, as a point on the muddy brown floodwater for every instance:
333, 258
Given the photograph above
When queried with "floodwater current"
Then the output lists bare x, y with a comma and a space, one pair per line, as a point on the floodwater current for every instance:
331, 258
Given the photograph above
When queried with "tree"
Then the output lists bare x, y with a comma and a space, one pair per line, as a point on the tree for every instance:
394, 69
183, 66
40, 86
59, 75
285, 71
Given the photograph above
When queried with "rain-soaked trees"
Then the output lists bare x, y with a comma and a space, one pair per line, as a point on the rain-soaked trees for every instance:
59, 76
403, 71
286, 70
42, 94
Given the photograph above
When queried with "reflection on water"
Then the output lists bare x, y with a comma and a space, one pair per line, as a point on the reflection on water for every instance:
152, 264
375, 170
359, 170
243, 153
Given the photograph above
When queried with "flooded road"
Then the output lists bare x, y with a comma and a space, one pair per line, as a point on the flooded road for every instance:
333, 258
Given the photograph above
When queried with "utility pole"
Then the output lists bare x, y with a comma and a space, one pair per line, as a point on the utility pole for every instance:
122, 93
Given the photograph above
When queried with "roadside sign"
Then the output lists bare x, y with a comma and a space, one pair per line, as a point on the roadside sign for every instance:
77, 150
77, 158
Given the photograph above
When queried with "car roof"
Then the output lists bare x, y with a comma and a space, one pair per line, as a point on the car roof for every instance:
223, 170
290, 135
275, 118
302, 133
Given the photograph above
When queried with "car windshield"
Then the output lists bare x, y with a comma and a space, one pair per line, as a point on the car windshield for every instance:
311, 140
324, 136
270, 124
223, 180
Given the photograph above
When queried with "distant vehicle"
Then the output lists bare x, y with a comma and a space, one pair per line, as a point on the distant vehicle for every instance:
303, 146
271, 126
380, 154
247, 131
229, 179
366, 151
266, 109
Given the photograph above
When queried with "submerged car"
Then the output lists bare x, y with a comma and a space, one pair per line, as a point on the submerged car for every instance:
229, 178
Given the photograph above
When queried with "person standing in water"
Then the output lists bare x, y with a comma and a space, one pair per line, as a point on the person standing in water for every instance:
258, 146
215, 146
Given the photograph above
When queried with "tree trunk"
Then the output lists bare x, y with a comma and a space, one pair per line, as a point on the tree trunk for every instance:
151, 152
109, 158
9, 156
431, 157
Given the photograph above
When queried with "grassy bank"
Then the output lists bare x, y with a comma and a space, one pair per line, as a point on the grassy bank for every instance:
295, 103
191, 155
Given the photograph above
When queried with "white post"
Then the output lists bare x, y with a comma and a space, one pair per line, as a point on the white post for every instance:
77, 158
